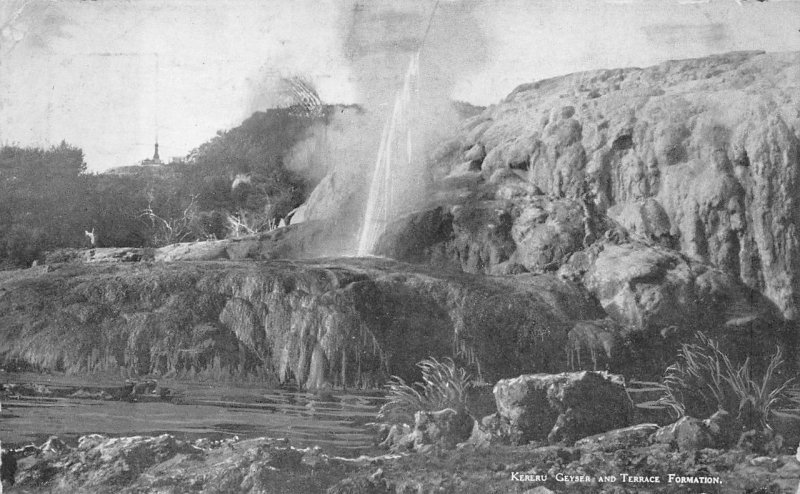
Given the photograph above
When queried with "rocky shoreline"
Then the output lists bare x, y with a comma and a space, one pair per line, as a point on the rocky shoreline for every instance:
130, 390
164, 464
623, 461
544, 436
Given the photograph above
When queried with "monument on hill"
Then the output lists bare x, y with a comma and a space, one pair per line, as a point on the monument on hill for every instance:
155, 160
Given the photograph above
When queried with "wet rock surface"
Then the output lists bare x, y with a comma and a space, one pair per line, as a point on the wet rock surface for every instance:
314, 323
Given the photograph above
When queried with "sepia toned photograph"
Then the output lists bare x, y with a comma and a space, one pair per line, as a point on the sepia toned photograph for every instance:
400, 246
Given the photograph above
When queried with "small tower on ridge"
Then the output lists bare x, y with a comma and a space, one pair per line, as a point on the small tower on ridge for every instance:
155, 160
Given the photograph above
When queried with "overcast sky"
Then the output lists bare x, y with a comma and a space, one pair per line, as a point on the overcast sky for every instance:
109, 75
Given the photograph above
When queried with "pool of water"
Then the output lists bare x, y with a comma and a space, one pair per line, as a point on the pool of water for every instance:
334, 421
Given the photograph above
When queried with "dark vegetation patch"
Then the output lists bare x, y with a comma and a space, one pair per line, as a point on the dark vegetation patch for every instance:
49, 201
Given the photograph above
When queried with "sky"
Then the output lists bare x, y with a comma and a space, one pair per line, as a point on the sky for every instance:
111, 76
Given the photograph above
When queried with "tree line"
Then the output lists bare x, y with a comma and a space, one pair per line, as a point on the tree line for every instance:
235, 183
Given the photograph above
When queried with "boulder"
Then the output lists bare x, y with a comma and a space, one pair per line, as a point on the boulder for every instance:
643, 286
465, 175
193, 251
527, 231
547, 232
508, 268
140, 388
651, 290
115, 254
494, 429
399, 438
625, 438
472, 237
100, 460
54, 445
408, 238
687, 434
645, 219
566, 406
444, 428
475, 154
441, 429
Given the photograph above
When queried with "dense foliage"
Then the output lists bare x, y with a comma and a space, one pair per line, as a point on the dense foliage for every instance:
43, 200
235, 182
255, 151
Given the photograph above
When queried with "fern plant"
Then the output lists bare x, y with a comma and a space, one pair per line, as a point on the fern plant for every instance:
444, 385
705, 380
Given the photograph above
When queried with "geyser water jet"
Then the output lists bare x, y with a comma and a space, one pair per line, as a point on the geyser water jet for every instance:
394, 185
391, 177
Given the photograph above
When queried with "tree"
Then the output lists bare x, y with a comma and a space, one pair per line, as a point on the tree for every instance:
42, 190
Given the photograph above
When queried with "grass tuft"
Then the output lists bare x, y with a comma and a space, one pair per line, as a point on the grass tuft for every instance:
705, 380
444, 385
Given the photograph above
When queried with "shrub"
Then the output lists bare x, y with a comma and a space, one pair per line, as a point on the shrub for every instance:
444, 385
25, 244
245, 223
704, 380
170, 229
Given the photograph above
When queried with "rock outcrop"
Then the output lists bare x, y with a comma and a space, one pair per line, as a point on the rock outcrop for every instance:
697, 155
565, 406
316, 323
658, 296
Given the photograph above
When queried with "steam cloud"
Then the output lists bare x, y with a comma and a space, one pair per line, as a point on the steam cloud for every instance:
379, 38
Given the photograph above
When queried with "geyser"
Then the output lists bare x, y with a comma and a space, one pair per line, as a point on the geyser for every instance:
392, 181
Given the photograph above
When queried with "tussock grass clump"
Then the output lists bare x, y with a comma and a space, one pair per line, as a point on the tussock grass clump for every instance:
444, 385
705, 380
